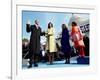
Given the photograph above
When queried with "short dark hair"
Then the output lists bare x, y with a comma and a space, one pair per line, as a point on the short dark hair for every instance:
74, 24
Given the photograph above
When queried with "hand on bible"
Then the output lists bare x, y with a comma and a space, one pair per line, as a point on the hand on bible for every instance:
43, 32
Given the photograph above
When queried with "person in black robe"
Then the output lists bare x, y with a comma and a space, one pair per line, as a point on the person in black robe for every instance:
65, 44
34, 45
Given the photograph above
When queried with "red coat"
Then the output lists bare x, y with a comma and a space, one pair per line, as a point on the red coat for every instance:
77, 36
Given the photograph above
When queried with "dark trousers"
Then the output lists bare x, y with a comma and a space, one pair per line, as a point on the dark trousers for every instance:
33, 59
67, 57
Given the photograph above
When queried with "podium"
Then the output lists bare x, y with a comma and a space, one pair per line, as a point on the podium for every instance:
83, 60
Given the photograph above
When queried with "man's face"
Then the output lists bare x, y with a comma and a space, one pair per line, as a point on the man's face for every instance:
37, 22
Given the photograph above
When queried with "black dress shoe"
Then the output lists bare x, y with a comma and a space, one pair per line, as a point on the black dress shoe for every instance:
35, 65
67, 62
30, 66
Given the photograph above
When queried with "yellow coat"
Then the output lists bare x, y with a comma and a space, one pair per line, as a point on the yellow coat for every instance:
51, 45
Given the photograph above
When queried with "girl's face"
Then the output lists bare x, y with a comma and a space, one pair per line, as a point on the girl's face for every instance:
50, 24
73, 25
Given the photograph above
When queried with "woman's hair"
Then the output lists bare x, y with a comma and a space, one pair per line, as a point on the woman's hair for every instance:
50, 25
74, 24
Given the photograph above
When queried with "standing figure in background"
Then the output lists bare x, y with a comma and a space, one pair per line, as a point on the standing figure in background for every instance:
65, 44
34, 45
77, 38
86, 42
51, 45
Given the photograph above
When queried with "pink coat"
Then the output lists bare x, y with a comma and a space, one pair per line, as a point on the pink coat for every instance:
77, 36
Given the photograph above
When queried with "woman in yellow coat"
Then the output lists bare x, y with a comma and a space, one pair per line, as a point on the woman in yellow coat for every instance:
51, 46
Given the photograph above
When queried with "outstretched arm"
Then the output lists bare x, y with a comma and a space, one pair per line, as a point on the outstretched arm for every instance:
42, 33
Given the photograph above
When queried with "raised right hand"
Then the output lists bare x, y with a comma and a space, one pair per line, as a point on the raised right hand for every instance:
28, 22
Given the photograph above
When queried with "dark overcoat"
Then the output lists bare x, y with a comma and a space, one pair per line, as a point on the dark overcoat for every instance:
34, 46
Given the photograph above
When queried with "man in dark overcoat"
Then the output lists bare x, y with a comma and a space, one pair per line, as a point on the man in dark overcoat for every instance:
34, 46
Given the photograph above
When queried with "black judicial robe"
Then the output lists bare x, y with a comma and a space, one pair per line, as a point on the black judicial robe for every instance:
34, 46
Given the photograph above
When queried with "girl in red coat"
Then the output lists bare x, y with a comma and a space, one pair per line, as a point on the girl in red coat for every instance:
77, 38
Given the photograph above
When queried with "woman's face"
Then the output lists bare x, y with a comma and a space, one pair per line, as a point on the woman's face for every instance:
50, 25
63, 26
72, 25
